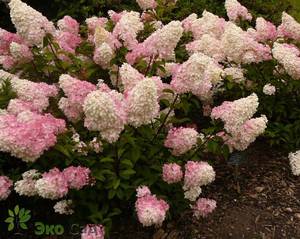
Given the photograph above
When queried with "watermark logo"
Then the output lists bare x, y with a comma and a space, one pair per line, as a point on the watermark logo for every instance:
18, 218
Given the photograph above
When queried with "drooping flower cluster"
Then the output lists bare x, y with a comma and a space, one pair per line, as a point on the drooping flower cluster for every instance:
150, 210
172, 173
289, 27
203, 207
295, 162
196, 175
237, 120
5, 187
181, 140
64, 207
93, 231
77, 177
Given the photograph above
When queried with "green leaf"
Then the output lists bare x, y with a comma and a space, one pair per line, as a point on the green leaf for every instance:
116, 183
111, 194
10, 227
16, 209
10, 213
106, 160
25, 218
23, 226
127, 162
21, 213
9, 220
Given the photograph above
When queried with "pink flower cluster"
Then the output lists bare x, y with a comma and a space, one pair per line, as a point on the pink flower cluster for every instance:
5, 187
172, 173
150, 210
203, 207
93, 231
27, 135
56, 184
197, 174
289, 27
181, 140
75, 91
236, 11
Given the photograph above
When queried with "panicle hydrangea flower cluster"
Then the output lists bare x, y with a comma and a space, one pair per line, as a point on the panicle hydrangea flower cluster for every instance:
56, 184
288, 56
26, 186
295, 162
181, 140
235, 11
172, 173
129, 76
236, 116
150, 210
105, 112
196, 175
28, 135
147, 4
64, 207
161, 43
75, 91
265, 30
289, 27
93, 231
203, 207
142, 103
31, 25
197, 75
5, 187
269, 89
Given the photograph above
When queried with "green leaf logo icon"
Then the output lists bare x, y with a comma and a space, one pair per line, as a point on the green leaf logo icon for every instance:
18, 217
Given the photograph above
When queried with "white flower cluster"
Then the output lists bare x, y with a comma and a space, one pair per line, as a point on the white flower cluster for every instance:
295, 162
269, 89
30, 24
142, 103
26, 186
64, 207
129, 76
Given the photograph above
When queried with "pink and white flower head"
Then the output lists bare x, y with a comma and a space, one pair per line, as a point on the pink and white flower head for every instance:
241, 47
150, 210
294, 159
197, 75
203, 207
26, 186
289, 27
207, 24
236, 11
172, 173
198, 174
68, 41
265, 30
7, 62
93, 231
94, 22
77, 177
188, 21
234, 114
20, 52
28, 134
104, 112
103, 55
68, 24
288, 56
6, 38
269, 89
5, 187
52, 185
129, 76
30, 24
181, 140
127, 28
147, 4
142, 191
142, 103
161, 43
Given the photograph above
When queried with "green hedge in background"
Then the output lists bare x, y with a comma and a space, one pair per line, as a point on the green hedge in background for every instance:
80, 9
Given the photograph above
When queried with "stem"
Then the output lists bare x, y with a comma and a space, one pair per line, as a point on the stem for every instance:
166, 117
149, 65
57, 59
